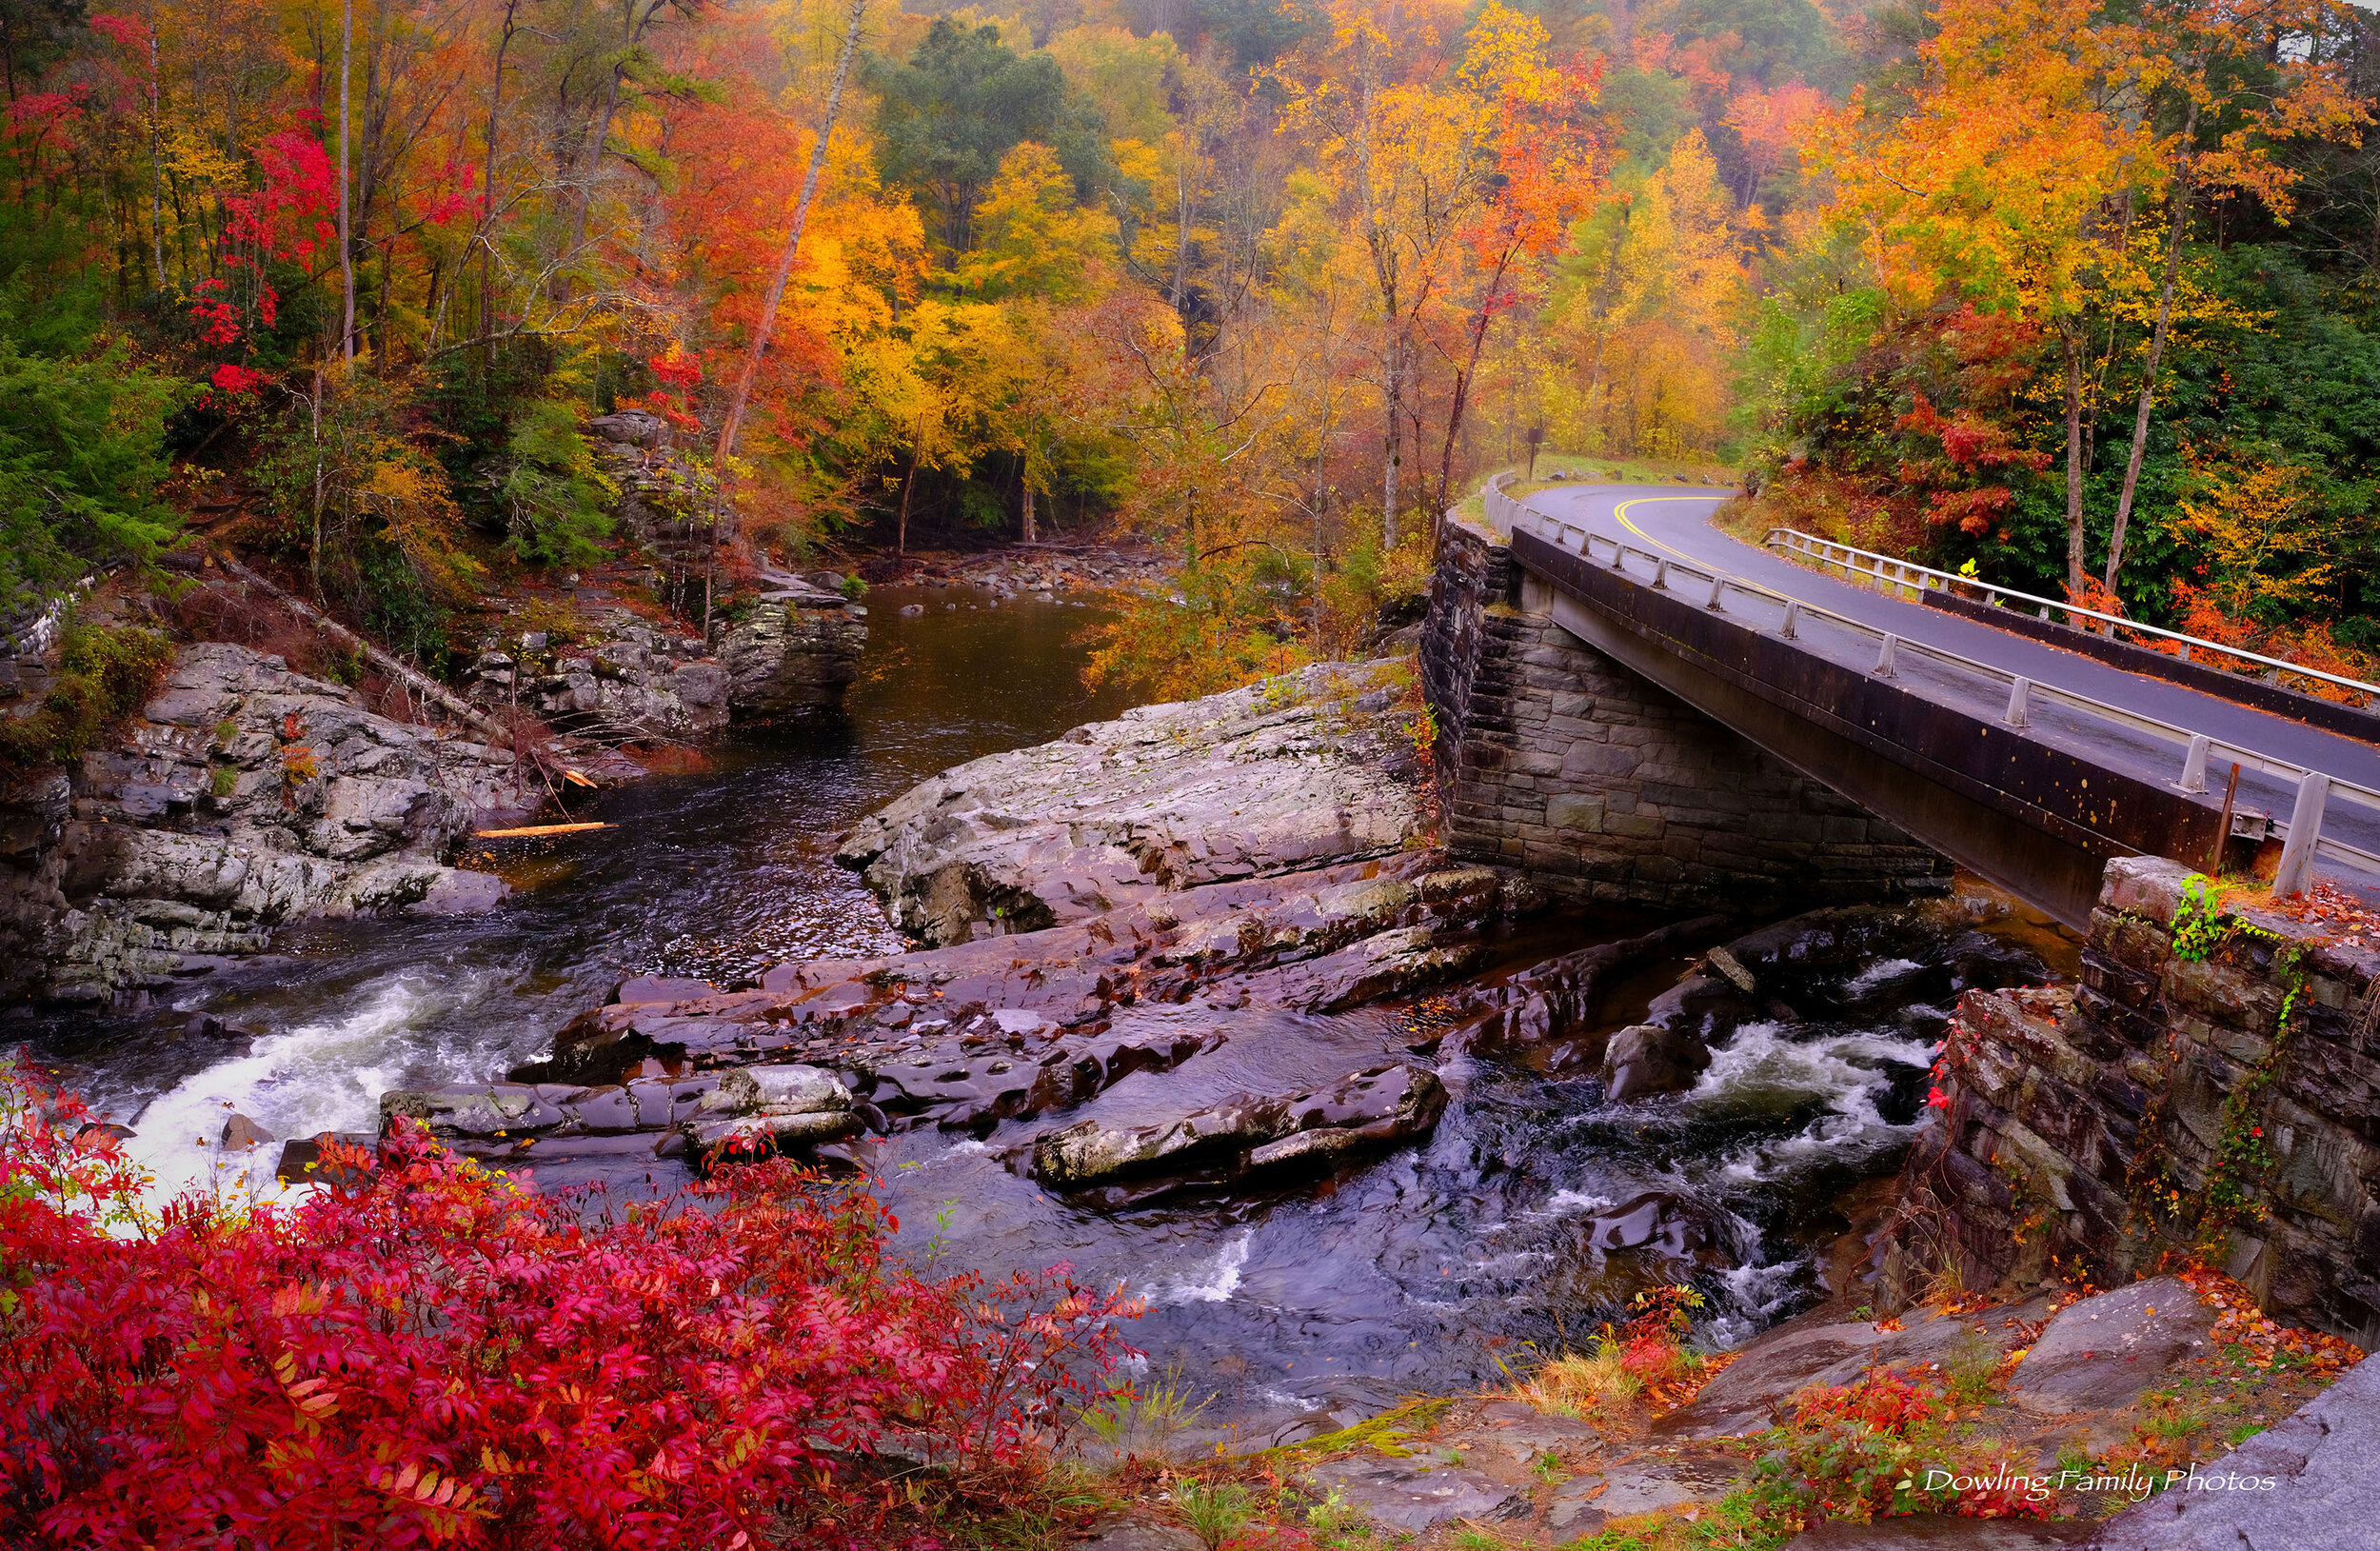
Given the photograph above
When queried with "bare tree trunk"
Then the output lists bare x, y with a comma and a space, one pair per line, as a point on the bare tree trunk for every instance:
901, 533
2077, 574
1029, 512
346, 247
1392, 438
486, 233
734, 417
314, 551
2179, 223
1464, 380
156, 158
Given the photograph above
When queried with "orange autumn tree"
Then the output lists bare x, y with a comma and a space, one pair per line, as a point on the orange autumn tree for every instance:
2004, 179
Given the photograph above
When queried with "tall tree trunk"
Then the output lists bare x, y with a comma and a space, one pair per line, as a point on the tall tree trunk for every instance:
2077, 572
1029, 535
314, 550
1392, 437
2178, 223
347, 249
598, 131
1463, 381
733, 420
156, 159
901, 533
485, 236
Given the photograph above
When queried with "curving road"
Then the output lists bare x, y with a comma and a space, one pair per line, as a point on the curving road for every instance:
1677, 522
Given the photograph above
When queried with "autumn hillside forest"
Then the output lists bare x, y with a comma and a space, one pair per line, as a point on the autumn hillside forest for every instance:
2081, 296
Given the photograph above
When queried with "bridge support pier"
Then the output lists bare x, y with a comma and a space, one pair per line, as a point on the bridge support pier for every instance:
1553, 757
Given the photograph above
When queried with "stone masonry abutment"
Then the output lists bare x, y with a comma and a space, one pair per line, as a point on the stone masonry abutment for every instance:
1555, 758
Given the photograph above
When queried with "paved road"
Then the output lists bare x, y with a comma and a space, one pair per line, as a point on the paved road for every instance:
1677, 523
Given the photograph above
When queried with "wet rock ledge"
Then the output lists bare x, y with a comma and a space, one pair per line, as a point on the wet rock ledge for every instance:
1012, 1028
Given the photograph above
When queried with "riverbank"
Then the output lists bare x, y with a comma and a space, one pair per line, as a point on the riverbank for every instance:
1352, 1121
170, 850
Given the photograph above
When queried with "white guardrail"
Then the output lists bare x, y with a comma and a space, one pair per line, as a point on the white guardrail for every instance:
1905, 576
2302, 836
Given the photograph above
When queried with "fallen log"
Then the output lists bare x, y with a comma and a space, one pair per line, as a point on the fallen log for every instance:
427, 688
525, 832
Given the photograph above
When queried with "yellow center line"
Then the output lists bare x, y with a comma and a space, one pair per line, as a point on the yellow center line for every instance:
1620, 515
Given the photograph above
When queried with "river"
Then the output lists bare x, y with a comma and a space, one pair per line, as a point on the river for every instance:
1426, 1271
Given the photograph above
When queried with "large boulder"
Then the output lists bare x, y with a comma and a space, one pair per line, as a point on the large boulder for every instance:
798, 646
1293, 773
1646, 1060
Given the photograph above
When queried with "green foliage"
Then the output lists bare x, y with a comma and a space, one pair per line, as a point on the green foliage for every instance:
103, 675
557, 500
80, 464
2199, 924
947, 118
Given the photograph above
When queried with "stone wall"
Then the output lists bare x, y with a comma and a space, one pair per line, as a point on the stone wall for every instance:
2101, 1129
1554, 758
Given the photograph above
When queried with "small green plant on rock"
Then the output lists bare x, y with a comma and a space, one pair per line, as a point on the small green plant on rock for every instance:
2200, 926
1972, 1370
1215, 1512
225, 780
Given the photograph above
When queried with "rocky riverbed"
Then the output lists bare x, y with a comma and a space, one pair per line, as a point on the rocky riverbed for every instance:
1208, 1011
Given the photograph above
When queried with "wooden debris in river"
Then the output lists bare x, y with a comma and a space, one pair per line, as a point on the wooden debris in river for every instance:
532, 830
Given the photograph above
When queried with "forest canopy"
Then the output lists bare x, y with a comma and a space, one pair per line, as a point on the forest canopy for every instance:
2077, 295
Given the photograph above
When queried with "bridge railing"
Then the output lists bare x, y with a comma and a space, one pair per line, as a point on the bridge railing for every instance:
2301, 835
1502, 511
1892, 575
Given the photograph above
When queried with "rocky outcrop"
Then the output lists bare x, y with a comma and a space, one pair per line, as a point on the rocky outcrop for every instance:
787, 645
798, 644
1545, 1014
1015, 1029
744, 1109
2306, 1483
2091, 1125
1252, 783
242, 796
619, 678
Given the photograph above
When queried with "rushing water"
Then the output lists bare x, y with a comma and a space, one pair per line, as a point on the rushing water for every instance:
1422, 1271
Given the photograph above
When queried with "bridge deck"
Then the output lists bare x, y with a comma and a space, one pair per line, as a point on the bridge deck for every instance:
1677, 524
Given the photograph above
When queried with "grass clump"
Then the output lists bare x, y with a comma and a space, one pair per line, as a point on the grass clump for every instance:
1144, 1415
1215, 1511
1648, 1353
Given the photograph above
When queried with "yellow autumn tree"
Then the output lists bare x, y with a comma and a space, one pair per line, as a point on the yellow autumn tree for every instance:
1650, 313
1032, 238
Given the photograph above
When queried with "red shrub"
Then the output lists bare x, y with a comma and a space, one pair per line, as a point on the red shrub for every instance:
425, 1353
